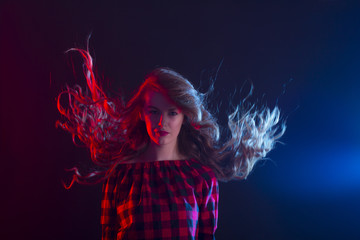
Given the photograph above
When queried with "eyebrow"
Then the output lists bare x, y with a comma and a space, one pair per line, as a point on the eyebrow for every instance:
170, 109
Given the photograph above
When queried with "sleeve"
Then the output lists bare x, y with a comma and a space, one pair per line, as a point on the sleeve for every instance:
208, 215
108, 210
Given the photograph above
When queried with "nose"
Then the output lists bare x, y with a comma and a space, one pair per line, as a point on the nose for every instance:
161, 120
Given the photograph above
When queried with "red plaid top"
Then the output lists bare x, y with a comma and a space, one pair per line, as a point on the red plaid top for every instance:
175, 199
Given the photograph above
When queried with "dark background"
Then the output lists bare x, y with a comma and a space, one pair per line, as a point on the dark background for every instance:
310, 187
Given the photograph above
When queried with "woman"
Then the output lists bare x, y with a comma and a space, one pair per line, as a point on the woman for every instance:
161, 156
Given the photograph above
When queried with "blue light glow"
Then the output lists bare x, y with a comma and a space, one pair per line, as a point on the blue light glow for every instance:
325, 171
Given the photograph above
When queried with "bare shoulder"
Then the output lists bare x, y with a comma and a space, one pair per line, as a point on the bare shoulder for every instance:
131, 160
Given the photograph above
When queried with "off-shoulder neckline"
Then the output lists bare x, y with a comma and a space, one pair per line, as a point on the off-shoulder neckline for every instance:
158, 162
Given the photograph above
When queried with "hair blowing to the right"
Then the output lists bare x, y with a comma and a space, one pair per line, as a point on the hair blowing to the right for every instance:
114, 132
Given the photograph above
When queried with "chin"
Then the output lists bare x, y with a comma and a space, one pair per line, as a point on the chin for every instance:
158, 141
161, 141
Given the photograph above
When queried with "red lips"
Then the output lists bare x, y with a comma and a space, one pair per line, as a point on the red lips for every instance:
162, 133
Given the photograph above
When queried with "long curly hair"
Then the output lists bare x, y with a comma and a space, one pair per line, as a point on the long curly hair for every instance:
114, 132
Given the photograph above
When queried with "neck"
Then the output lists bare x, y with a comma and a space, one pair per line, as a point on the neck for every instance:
162, 152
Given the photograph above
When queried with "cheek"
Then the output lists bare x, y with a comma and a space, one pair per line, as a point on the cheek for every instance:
178, 123
152, 121
150, 124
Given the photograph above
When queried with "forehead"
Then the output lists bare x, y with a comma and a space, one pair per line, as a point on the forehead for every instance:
158, 100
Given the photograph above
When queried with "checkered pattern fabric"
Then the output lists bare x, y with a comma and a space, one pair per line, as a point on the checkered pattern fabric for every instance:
160, 200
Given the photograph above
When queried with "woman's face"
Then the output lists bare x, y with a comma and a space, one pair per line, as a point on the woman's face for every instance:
162, 117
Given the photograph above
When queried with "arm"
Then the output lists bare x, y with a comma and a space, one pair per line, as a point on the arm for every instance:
209, 209
108, 210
